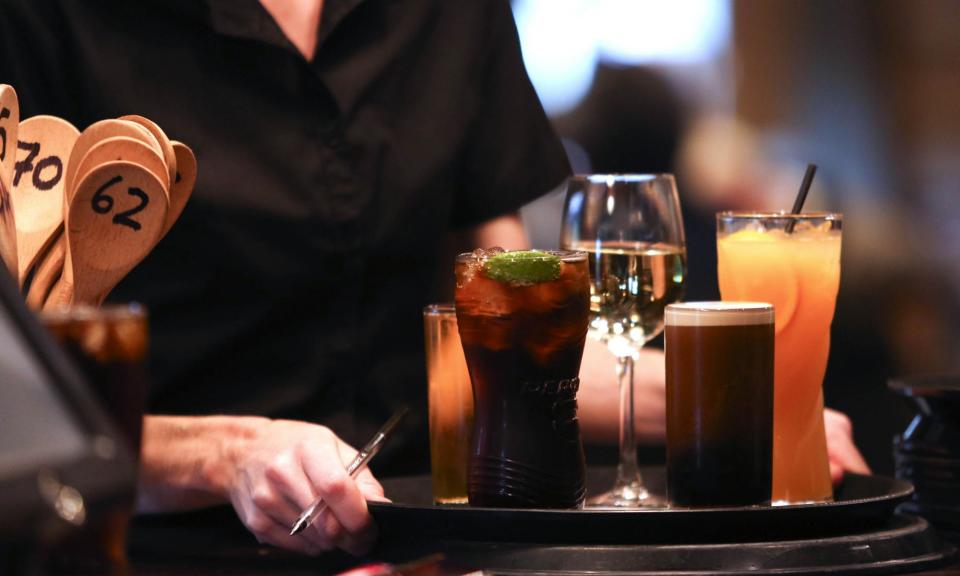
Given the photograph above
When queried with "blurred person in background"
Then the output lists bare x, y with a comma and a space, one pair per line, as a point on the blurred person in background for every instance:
633, 121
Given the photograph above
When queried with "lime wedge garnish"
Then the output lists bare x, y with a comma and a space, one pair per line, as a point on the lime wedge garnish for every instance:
527, 267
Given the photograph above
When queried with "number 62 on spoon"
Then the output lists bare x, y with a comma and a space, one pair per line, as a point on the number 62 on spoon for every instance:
113, 221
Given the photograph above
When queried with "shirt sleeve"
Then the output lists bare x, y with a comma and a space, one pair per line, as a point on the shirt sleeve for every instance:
512, 155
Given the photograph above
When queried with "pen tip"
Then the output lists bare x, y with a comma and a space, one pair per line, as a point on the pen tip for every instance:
298, 528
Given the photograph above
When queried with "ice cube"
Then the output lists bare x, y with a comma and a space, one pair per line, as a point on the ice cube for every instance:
131, 339
802, 226
755, 226
94, 340
482, 254
486, 310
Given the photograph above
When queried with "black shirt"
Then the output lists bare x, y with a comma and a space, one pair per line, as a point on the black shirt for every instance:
292, 286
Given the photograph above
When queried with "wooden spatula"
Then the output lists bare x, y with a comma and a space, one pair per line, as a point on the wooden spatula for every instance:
101, 131
48, 272
9, 124
38, 183
128, 149
182, 187
114, 220
169, 155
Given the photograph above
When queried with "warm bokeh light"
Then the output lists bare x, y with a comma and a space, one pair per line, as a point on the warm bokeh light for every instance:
648, 31
563, 40
559, 50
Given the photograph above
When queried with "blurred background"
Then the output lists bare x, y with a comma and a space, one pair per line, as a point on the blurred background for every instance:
735, 97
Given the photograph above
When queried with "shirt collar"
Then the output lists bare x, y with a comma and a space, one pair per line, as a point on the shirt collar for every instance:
248, 19
334, 11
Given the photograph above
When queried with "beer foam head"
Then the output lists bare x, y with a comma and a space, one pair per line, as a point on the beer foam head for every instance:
719, 314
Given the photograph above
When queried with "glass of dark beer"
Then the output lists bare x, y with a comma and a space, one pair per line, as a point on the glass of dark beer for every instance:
522, 318
109, 345
719, 364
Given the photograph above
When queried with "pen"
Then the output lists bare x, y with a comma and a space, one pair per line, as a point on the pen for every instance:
360, 462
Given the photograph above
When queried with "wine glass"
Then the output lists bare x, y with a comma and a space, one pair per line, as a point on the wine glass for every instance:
631, 227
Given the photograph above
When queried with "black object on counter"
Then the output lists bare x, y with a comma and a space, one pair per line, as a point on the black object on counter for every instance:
928, 452
61, 458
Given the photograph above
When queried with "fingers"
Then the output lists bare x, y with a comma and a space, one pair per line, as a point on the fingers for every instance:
356, 543
282, 473
844, 457
836, 472
276, 534
347, 521
370, 487
843, 453
285, 494
260, 521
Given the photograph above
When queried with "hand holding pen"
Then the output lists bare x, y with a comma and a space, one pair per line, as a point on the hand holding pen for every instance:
271, 470
359, 463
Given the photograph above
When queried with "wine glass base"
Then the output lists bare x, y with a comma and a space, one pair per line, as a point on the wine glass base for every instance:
633, 495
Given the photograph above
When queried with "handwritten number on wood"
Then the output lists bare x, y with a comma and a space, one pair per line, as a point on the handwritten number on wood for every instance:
4, 114
125, 218
27, 165
102, 203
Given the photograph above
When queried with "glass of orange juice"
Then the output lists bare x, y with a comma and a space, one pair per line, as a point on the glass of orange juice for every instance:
793, 262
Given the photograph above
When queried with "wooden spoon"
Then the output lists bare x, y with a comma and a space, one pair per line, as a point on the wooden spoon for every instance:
48, 272
182, 187
41, 257
9, 124
101, 131
128, 149
169, 155
45, 143
114, 219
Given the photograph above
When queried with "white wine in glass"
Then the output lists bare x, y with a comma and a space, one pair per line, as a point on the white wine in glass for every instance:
632, 285
631, 228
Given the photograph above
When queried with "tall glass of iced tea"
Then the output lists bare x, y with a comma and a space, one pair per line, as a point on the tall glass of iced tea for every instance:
450, 400
523, 318
792, 261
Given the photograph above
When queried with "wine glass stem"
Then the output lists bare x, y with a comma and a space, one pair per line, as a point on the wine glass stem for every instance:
627, 471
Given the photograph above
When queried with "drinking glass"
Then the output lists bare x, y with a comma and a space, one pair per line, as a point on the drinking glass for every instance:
630, 226
109, 345
719, 364
522, 318
793, 262
450, 405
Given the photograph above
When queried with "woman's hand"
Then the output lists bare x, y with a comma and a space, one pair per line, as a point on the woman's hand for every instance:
843, 453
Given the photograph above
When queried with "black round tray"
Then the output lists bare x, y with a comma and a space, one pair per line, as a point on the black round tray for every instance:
905, 544
860, 503
858, 533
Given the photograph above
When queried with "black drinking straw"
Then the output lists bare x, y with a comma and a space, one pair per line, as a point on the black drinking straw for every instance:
802, 195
